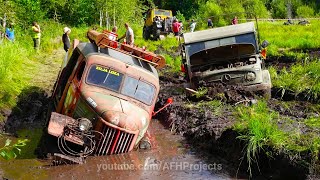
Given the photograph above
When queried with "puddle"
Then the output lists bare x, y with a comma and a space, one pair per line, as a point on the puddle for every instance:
168, 159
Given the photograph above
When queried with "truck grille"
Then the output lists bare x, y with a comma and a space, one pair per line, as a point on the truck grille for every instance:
114, 141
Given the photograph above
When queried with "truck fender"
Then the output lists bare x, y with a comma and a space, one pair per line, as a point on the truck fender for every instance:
266, 77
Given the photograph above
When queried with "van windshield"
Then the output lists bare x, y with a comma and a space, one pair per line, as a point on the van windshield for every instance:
111, 79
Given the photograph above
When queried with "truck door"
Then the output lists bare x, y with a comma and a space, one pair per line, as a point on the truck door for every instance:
62, 81
73, 93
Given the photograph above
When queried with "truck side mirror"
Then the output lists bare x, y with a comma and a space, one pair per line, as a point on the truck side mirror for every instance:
169, 101
264, 44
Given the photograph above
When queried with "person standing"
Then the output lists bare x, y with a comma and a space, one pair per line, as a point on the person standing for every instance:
66, 39
36, 34
10, 32
210, 25
129, 36
192, 25
176, 28
234, 20
113, 34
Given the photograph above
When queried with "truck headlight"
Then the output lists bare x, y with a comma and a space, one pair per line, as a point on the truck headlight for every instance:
250, 76
84, 124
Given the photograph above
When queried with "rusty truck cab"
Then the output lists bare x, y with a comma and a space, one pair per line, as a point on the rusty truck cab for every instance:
116, 92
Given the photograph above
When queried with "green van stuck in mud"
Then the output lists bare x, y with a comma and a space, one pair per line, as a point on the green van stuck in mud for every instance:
229, 55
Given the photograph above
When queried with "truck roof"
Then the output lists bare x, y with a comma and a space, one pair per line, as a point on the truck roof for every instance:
216, 33
90, 48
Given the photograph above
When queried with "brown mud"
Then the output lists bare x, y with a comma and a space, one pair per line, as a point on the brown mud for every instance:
210, 134
170, 158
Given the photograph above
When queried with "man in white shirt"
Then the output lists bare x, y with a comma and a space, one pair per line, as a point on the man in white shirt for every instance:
113, 34
129, 35
192, 25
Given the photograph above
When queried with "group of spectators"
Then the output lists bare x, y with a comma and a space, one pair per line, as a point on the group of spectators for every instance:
192, 25
36, 33
129, 35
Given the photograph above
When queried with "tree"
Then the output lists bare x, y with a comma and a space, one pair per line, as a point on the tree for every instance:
28, 11
53, 8
255, 8
305, 12
212, 10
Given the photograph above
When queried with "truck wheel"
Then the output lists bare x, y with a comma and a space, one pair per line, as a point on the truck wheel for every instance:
146, 34
156, 34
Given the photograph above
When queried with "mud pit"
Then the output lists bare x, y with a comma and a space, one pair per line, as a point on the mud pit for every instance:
207, 141
202, 137
208, 128
170, 158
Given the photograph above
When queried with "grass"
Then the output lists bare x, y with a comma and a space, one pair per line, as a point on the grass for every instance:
13, 77
300, 78
289, 40
258, 127
19, 61
216, 107
313, 122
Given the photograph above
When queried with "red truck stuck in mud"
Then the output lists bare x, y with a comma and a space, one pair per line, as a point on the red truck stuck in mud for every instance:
104, 98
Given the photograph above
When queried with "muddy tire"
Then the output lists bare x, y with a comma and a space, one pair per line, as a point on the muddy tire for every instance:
156, 34
146, 34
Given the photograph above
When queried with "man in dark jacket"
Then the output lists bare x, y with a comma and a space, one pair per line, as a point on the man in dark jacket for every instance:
66, 39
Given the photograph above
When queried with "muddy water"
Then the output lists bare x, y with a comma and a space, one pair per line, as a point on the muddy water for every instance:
170, 158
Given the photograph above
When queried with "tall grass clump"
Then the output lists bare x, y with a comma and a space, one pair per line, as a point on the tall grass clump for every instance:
265, 130
300, 78
13, 77
257, 126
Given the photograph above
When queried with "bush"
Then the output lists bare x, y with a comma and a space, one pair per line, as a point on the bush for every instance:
305, 12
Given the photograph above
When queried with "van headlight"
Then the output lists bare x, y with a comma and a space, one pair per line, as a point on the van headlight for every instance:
84, 124
250, 76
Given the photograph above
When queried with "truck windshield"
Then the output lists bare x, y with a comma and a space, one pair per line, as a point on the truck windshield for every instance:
138, 89
223, 57
111, 79
105, 77
161, 13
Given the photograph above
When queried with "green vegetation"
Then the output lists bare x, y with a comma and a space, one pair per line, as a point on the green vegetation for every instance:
167, 48
257, 126
300, 78
201, 92
33, 136
11, 150
260, 127
313, 122
289, 40
19, 61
